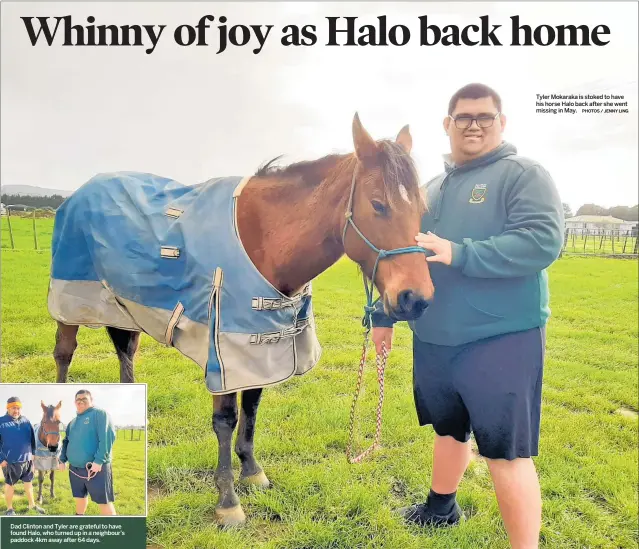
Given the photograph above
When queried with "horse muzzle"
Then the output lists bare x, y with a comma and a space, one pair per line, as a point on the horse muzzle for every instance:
410, 306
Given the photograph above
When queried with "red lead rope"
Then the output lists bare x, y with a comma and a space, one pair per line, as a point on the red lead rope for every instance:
90, 474
381, 366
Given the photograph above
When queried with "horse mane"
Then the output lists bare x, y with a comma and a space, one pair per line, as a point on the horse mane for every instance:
398, 168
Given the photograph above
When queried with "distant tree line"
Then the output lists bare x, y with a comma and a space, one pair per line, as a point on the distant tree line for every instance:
52, 201
627, 213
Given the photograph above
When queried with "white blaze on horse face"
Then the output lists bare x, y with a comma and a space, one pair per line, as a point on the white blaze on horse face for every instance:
404, 193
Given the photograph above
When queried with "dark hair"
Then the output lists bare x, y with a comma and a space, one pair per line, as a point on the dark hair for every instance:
473, 91
84, 392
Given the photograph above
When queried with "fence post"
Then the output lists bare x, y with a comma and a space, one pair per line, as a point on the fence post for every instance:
35, 232
10, 229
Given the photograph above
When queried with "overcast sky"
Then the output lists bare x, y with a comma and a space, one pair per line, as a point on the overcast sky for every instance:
125, 403
192, 114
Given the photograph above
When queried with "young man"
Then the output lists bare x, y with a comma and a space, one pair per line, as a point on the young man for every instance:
17, 446
89, 441
495, 223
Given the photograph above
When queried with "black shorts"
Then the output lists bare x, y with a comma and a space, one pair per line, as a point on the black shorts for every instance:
100, 487
491, 387
15, 472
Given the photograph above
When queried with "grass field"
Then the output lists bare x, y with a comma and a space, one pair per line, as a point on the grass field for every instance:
588, 463
128, 485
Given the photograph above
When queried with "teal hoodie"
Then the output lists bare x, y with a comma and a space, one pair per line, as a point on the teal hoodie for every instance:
503, 214
89, 439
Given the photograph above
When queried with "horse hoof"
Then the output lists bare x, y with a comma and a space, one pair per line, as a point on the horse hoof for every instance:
259, 480
230, 516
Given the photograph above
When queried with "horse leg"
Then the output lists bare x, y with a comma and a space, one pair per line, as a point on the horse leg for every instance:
40, 483
126, 345
252, 473
228, 511
65, 344
52, 478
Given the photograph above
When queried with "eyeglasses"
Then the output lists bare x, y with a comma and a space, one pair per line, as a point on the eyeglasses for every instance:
79, 400
465, 122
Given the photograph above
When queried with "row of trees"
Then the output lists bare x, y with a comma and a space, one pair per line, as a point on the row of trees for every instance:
627, 213
53, 201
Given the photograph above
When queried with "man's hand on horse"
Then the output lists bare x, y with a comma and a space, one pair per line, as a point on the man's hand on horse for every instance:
382, 335
4, 463
441, 247
96, 468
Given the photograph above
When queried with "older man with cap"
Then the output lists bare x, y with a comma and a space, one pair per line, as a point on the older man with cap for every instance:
17, 446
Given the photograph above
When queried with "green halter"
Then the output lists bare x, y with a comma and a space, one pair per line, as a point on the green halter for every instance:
381, 254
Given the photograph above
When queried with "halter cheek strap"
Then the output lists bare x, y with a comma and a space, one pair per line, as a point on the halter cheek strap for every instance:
381, 254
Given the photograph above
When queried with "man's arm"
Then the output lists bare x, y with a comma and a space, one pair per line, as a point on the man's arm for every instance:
379, 318
105, 434
532, 237
65, 443
3, 456
33, 440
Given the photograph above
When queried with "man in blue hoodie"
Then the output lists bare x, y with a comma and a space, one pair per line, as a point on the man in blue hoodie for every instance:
17, 446
494, 224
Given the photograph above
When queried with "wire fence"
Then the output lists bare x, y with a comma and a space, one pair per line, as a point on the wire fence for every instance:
132, 434
601, 242
21, 211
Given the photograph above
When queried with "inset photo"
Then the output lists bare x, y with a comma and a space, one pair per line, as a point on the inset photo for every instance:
73, 449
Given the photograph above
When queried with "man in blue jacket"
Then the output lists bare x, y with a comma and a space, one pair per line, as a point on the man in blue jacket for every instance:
17, 446
88, 449
495, 223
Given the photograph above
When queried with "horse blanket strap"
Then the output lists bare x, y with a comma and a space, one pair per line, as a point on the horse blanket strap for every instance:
142, 252
45, 459
270, 304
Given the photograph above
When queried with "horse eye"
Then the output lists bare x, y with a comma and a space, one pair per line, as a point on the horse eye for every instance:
379, 207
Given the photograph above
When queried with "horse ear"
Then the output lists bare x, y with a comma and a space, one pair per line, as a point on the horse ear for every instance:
44, 406
404, 139
365, 146
59, 405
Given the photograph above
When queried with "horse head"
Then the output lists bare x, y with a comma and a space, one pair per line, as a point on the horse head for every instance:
383, 218
49, 430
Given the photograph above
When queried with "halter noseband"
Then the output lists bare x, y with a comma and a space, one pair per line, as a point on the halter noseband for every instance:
381, 254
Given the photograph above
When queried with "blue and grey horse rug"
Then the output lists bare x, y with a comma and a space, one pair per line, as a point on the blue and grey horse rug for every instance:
141, 252
45, 459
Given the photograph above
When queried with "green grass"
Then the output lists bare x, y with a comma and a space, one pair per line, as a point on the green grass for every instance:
588, 463
22, 230
128, 485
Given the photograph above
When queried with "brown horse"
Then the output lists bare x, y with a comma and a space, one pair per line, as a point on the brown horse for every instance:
48, 446
340, 201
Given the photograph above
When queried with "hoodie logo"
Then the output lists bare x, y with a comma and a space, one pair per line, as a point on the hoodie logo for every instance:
86, 421
478, 194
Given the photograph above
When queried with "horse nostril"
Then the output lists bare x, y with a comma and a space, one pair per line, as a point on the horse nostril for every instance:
410, 302
405, 300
